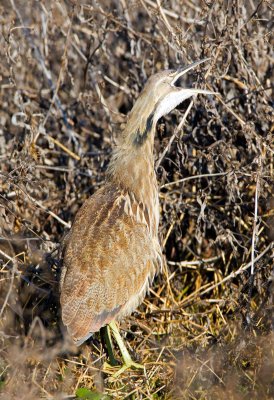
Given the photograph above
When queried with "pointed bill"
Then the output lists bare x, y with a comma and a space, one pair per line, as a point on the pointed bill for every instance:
177, 95
183, 70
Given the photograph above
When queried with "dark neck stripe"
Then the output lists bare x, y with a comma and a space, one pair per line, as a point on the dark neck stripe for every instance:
141, 137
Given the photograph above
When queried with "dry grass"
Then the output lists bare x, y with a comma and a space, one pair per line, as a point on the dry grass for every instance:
70, 72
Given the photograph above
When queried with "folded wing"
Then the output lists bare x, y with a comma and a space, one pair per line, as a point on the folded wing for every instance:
107, 263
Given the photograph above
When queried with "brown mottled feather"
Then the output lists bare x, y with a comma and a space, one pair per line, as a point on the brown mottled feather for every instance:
107, 261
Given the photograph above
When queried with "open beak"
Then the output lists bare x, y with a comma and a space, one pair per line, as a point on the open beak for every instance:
182, 71
176, 94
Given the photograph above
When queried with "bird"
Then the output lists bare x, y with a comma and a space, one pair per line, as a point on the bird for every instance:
112, 252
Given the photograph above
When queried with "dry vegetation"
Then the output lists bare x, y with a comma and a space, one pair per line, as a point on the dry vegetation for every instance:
70, 72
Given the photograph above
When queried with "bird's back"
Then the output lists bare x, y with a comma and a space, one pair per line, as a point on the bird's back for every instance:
109, 257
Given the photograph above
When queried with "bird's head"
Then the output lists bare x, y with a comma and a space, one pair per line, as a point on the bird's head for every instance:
159, 96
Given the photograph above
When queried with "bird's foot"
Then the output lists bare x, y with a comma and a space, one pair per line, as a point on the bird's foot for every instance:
129, 364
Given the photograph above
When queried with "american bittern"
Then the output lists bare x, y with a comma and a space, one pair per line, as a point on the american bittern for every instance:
112, 252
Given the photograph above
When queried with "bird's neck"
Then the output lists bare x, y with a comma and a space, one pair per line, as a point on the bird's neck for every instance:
132, 162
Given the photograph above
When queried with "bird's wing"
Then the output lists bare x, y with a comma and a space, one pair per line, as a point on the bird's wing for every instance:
109, 257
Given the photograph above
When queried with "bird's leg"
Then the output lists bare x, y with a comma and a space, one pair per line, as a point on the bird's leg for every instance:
128, 362
106, 337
